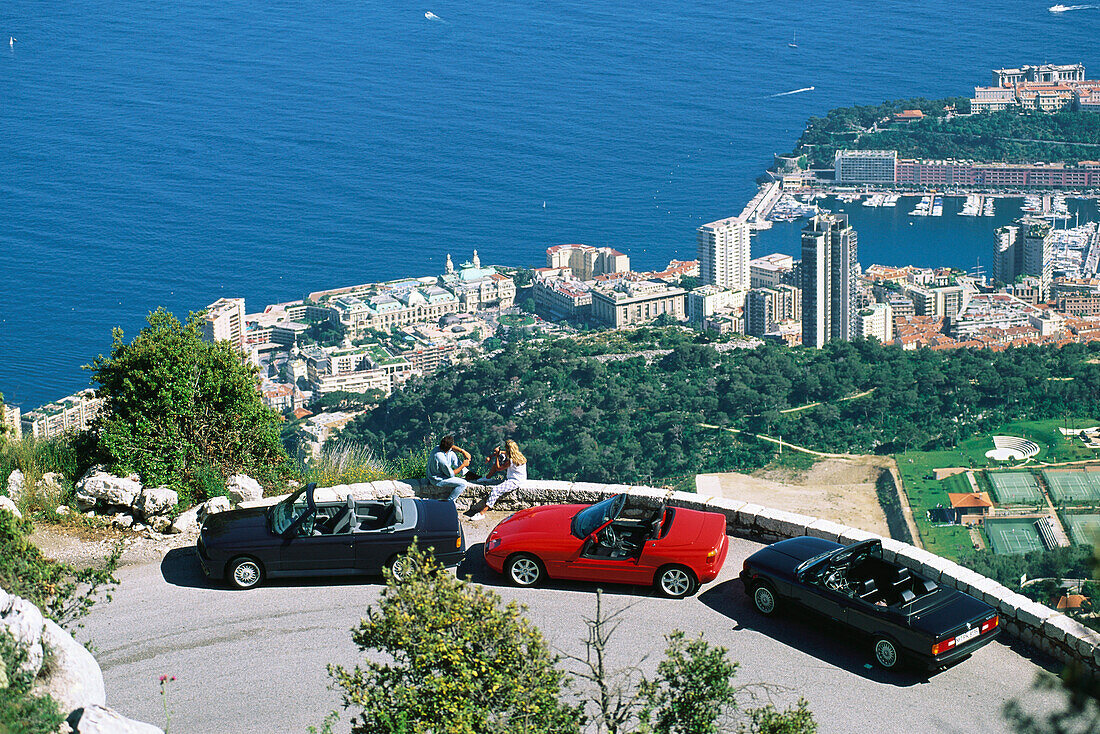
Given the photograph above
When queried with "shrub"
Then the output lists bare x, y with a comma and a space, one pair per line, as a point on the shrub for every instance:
22, 712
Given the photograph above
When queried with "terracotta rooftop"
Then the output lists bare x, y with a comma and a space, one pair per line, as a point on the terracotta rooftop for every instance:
969, 499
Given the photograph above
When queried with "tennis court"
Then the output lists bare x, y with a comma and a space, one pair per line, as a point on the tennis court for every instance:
1073, 487
1012, 536
1083, 529
1015, 487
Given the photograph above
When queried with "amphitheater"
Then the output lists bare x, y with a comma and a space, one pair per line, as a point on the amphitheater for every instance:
1011, 448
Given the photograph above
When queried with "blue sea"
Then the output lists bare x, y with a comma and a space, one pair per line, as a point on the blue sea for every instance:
168, 154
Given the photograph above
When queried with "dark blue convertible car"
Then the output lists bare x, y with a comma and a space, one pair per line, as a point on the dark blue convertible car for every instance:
904, 614
300, 536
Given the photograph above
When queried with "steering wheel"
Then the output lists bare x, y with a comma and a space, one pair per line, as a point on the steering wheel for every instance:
609, 538
837, 580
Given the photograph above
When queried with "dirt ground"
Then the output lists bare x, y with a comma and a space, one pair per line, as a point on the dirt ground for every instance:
841, 490
85, 547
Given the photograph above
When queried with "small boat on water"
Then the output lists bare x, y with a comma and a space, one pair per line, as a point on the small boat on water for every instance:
794, 41
431, 16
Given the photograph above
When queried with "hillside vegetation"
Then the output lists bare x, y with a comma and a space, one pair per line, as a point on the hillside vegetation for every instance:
630, 420
1001, 136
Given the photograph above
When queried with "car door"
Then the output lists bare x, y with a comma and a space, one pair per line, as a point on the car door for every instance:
308, 553
814, 595
582, 565
375, 546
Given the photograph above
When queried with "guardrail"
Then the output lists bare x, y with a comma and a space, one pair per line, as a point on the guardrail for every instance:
1035, 624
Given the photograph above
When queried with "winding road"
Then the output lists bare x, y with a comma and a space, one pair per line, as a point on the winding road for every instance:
255, 661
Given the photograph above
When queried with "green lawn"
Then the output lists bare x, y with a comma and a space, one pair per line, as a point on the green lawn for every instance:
917, 468
512, 319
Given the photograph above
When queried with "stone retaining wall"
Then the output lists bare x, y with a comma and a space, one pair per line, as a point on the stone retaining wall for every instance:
1033, 623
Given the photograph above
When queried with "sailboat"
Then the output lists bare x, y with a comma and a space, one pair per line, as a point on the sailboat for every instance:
794, 41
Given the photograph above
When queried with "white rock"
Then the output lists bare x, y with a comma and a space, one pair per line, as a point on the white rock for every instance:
103, 720
7, 504
16, 482
122, 520
52, 482
186, 522
71, 676
24, 622
62, 510
160, 524
137, 527
155, 501
212, 506
294, 484
99, 486
243, 488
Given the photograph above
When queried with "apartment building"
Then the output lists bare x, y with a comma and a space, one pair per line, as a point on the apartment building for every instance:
585, 261
74, 413
723, 248
631, 302
865, 166
223, 320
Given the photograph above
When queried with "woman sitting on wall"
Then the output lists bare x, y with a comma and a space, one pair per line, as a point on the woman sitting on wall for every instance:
514, 465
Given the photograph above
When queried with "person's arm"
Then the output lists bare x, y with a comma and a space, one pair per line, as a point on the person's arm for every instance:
466, 461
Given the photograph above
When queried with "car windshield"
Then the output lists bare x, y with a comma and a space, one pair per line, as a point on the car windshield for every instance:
286, 512
587, 520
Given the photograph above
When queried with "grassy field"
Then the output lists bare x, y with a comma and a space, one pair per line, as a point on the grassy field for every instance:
924, 492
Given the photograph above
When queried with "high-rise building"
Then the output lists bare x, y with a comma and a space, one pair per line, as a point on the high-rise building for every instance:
1007, 257
724, 253
829, 283
1025, 248
1038, 246
224, 321
586, 261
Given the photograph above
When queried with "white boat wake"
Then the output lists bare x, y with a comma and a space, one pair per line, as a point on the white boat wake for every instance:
794, 91
1067, 8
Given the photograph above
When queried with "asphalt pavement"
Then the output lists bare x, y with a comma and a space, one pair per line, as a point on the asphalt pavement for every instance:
254, 661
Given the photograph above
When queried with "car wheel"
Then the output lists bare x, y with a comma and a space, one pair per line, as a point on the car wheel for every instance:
523, 570
764, 599
245, 573
886, 653
401, 566
676, 582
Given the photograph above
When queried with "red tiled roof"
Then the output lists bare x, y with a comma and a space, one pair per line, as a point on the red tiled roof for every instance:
969, 499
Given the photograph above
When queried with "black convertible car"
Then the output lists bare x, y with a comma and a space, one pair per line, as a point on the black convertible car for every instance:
302, 537
906, 615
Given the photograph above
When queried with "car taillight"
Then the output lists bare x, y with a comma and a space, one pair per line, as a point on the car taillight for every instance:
942, 647
712, 555
493, 544
989, 624
458, 542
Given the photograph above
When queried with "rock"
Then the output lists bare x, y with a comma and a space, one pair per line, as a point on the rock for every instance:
213, 506
294, 484
103, 720
24, 622
137, 527
122, 520
52, 484
62, 510
243, 488
7, 504
160, 524
154, 501
71, 675
16, 482
186, 522
98, 486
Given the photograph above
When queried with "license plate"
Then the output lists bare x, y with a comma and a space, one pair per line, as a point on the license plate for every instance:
967, 636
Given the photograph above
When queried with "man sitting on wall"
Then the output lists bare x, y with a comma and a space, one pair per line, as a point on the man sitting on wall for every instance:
445, 470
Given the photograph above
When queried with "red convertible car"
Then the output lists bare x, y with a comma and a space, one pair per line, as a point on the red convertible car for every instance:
616, 540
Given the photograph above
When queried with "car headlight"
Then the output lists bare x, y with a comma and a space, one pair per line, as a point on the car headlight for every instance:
493, 543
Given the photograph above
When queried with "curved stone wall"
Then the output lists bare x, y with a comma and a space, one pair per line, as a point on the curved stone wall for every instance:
1033, 623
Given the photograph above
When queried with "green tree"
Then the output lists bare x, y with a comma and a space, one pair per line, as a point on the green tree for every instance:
694, 690
176, 404
456, 661
769, 720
